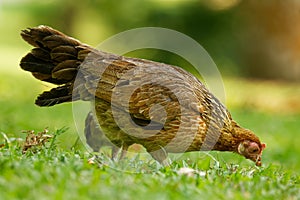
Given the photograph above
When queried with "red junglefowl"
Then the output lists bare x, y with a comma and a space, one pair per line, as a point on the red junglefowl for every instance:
159, 106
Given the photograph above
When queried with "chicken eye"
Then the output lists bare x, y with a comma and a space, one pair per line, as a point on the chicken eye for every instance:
254, 150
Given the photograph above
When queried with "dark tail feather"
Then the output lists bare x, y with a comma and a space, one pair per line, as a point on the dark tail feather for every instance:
56, 96
46, 37
55, 59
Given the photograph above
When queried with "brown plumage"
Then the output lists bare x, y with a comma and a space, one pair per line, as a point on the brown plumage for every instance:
159, 106
96, 139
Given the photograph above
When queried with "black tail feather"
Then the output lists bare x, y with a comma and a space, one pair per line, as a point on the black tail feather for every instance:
56, 96
32, 63
55, 59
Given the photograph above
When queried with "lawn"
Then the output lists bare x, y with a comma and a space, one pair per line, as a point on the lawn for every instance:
60, 170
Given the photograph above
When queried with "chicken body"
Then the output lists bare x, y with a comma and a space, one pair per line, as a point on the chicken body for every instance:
159, 106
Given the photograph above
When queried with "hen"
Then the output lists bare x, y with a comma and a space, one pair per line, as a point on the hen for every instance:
162, 107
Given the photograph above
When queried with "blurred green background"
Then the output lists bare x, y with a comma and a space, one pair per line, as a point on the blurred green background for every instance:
255, 44
245, 38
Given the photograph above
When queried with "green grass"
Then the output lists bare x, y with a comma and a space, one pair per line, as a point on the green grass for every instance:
65, 174
61, 171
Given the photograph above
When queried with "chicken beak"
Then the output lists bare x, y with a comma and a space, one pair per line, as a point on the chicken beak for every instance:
258, 161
